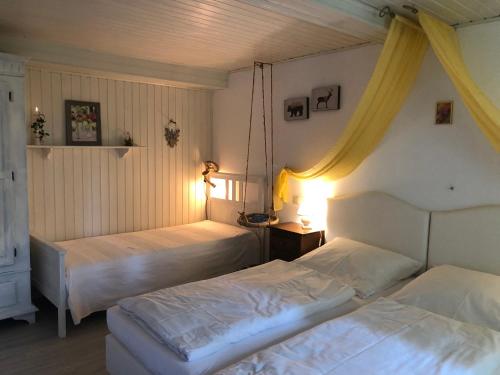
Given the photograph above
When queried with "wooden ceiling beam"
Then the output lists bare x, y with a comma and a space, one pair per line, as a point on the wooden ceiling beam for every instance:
75, 60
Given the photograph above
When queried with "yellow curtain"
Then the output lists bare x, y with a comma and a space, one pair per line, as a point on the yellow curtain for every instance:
446, 46
387, 90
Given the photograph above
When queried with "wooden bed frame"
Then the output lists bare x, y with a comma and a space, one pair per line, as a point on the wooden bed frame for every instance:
48, 276
48, 259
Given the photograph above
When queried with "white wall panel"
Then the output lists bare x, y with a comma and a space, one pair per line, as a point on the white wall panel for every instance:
87, 192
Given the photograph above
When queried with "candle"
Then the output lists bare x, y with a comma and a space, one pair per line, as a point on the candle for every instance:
36, 110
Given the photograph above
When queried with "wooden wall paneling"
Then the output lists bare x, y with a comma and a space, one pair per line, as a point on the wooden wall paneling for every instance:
88, 198
190, 157
161, 156
95, 166
104, 161
207, 125
112, 167
59, 194
136, 157
197, 139
86, 192
78, 192
143, 153
48, 164
179, 99
151, 153
31, 204
38, 210
129, 181
57, 135
169, 157
185, 158
120, 163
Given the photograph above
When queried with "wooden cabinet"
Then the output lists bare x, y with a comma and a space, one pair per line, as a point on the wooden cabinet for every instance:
288, 241
15, 290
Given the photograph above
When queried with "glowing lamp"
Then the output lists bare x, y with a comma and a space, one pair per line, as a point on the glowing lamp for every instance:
304, 212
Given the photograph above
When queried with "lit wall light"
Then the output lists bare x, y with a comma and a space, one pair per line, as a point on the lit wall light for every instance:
218, 188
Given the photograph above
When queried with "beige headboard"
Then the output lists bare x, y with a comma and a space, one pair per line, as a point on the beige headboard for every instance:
468, 238
382, 220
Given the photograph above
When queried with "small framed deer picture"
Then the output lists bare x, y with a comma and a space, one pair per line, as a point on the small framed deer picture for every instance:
326, 98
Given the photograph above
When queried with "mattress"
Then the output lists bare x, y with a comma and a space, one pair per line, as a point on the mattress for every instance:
158, 359
102, 270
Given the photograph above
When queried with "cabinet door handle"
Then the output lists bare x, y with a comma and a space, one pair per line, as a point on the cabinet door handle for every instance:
11, 96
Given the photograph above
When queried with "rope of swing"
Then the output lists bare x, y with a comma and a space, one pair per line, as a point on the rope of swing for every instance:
249, 140
265, 127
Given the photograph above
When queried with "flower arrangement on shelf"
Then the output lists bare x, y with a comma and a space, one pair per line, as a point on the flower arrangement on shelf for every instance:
38, 127
127, 139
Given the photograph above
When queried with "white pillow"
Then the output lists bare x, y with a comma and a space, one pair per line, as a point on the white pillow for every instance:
458, 293
367, 269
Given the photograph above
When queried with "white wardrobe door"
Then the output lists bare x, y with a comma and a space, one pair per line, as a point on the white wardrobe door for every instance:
6, 186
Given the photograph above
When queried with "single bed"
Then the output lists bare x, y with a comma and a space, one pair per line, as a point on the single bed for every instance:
91, 274
131, 349
446, 321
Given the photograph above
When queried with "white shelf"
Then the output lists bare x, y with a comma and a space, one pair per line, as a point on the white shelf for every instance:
47, 149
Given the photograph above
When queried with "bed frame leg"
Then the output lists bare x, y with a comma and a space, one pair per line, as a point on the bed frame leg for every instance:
61, 322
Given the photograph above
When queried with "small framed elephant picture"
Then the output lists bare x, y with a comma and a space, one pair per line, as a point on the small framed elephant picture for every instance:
326, 98
296, 109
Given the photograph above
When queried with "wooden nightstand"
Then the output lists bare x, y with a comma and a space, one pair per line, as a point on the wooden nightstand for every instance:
288, 241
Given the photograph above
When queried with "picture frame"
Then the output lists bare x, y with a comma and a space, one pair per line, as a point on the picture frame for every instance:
83, 123
296, 109
326, 98
444, 113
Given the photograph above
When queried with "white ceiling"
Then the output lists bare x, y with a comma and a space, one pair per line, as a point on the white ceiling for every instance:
452, 11
219, 34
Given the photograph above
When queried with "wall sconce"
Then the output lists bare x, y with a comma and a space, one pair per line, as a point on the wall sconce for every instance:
210, 166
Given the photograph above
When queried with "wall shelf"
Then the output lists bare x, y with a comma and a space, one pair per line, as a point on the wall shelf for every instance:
122, 151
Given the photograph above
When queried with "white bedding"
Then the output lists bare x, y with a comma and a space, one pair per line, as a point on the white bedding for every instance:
159, 360
198, 319
101, 270
384, 337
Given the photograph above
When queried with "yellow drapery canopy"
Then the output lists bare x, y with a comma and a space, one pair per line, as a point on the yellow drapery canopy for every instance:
392, 79
387, 90
446, 46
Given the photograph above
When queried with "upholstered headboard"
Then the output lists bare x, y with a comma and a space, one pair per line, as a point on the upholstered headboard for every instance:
468, 238
381, 220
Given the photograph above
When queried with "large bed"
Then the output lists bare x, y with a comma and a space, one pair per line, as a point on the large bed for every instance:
446, 321
91, 274
375, 218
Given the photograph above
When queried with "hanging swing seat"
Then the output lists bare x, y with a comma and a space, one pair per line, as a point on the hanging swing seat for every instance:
260, 220
257, 220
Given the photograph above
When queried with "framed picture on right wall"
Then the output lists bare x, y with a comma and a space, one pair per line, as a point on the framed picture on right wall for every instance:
444, 113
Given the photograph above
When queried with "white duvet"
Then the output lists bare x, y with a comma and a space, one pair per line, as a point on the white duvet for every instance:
383, 337
198, 319
101, 270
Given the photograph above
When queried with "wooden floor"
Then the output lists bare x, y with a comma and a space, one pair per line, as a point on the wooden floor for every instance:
36, 349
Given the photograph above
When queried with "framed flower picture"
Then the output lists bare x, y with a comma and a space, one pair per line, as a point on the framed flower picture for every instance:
444, 113
83, 123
